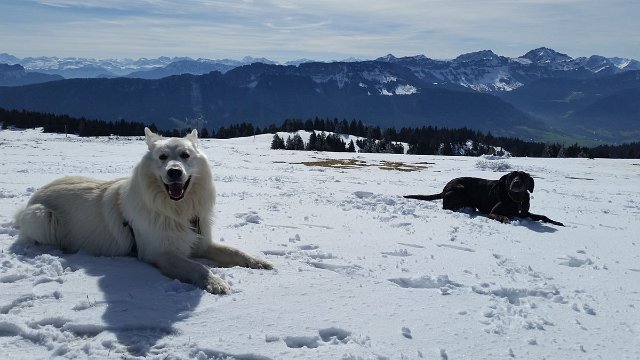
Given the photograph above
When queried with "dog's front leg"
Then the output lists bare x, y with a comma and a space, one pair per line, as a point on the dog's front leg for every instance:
536, 217
186, 270
227, 256
497, 213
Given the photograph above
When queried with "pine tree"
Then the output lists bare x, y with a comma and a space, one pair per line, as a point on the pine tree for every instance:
297, 142
277, 143
311, 145
321, 141
289, 143
352, 147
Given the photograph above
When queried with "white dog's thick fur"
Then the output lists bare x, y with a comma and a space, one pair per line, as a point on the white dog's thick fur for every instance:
164, 212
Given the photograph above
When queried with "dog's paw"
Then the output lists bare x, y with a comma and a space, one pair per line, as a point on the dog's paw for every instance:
215, 285
255, 263
503, 219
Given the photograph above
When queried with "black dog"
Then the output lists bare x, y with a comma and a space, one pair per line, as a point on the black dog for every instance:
499, 199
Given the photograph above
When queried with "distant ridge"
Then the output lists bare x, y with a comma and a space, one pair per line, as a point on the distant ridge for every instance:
485, 62
544, 94
16, 75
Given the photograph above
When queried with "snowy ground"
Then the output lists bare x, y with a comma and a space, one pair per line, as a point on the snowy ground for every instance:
362, 273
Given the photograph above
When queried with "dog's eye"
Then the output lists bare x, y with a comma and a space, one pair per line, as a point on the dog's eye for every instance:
163, 157
185, 155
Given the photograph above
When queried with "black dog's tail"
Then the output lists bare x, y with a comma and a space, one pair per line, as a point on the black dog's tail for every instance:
424, 197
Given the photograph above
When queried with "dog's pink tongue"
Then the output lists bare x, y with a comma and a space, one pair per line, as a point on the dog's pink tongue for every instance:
176, 190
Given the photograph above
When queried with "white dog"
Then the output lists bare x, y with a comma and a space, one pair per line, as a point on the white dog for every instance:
162, 214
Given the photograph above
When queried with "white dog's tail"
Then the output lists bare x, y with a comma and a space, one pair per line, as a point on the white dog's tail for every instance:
37, 223
17, 215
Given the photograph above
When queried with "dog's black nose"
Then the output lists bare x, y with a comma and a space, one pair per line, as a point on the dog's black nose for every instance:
174, 174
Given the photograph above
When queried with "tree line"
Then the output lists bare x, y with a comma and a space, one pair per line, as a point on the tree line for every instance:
64, 124
317, 142
426, 140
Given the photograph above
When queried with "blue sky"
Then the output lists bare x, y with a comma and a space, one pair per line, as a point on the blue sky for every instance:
285, 30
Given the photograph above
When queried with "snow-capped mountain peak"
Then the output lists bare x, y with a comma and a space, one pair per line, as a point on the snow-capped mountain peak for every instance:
545, 55
299, 61
625, 64
483, 55
8, 59
387, 58
251, 60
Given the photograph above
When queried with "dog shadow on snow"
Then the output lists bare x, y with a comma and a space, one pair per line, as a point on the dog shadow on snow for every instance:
140, 305
536, 226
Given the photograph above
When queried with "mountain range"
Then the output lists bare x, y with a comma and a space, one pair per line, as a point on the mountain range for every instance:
481, 71
155, 68
542, 95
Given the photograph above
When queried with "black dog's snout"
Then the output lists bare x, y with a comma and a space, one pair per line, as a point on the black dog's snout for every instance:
174, 174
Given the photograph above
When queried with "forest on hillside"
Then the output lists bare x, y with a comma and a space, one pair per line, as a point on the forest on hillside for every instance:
426, 140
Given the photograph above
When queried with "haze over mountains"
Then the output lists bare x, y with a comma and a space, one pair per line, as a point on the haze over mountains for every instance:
71, 67
543, 94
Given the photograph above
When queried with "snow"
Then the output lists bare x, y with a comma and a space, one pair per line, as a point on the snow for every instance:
406, 90
492, 79
361, 272
117, 66
621, 63
341, 78
378, 76
523, 61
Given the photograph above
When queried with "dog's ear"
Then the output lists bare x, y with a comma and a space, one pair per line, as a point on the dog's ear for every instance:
193, 136
504, 179
531, 183
151, 137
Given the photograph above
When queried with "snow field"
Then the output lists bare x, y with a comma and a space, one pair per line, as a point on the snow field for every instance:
361, 272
